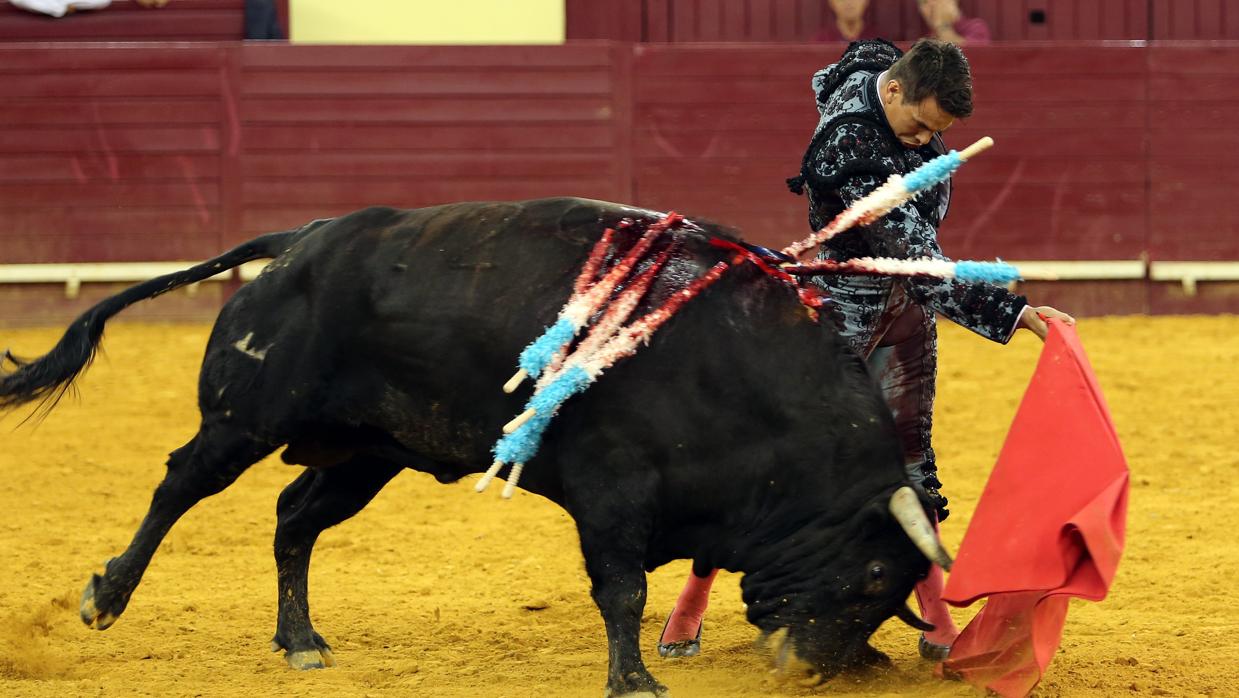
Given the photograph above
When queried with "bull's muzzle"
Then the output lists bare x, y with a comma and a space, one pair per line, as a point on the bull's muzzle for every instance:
810, 668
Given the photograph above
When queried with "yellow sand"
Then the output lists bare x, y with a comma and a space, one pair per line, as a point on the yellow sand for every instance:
424, 593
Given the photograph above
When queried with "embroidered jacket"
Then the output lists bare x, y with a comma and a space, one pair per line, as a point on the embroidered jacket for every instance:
852, 152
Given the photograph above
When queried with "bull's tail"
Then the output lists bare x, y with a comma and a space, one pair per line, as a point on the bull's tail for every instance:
49, 376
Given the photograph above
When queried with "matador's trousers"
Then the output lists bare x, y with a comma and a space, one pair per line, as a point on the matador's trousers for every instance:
898, 338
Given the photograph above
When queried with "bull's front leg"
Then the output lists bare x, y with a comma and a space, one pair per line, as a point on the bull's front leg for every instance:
619, 590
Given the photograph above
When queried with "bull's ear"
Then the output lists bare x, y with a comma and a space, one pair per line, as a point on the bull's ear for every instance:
874, 515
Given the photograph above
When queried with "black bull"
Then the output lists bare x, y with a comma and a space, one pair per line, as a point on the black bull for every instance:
745, 436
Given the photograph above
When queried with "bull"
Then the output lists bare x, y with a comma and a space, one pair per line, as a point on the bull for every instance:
746, 436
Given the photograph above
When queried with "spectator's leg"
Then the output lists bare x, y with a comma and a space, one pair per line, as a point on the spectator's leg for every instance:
262, 21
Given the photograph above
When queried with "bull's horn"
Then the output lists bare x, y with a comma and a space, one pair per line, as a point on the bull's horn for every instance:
907, 510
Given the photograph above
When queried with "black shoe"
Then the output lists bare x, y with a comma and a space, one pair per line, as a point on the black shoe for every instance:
932, 650
679, 648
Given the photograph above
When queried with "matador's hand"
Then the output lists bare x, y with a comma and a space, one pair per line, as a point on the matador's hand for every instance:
1033, 318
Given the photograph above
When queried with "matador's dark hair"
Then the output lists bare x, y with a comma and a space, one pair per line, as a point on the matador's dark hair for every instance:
938, 69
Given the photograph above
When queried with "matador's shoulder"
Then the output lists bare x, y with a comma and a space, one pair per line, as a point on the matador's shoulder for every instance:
871, 56
851, 146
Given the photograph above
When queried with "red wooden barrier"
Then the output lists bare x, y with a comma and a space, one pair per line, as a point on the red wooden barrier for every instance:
126, 20
1195, 19
717, 136
110, 154
1067, 180
1192, 99
679, 21
1104, 151
331, 129
1063, 20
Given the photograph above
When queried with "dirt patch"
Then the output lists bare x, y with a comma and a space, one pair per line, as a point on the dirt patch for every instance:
27, 648
433, 590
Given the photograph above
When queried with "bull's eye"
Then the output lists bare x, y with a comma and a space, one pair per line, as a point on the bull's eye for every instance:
875, 579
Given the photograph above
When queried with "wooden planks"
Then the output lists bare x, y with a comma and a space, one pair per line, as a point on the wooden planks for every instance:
690, 21
1193, 94
330, 129
110, 154
590, 19
715, 137
126, 20
148, 152
1195, 19
1067, 178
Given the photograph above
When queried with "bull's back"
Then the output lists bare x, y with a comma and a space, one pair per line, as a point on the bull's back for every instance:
409, 320
474, 281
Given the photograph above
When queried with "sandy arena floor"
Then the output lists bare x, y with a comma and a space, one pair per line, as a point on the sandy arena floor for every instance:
429, 591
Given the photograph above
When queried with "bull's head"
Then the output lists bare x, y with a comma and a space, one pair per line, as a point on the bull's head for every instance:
831, 588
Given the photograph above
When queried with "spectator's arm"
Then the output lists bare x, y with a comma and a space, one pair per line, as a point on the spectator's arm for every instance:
972, 31
947, 23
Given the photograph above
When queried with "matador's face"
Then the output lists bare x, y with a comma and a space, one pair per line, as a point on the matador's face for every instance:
914, 123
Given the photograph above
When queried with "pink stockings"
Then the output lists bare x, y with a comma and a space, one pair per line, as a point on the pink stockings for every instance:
933, 608
690, 608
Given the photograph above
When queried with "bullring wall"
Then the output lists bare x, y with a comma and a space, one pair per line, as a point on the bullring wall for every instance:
149, 152
800, 20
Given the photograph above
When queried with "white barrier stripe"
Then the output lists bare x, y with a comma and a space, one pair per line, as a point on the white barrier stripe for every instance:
104, 272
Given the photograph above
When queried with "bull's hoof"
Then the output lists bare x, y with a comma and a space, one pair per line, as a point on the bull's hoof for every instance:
636, 685
782, 652
304, 660
868, 658
316, 656
98, 609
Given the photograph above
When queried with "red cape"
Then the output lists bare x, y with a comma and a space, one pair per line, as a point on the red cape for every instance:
1050, 525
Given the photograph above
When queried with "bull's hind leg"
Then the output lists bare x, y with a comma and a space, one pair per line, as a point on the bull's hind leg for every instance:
206, 465
315, 501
